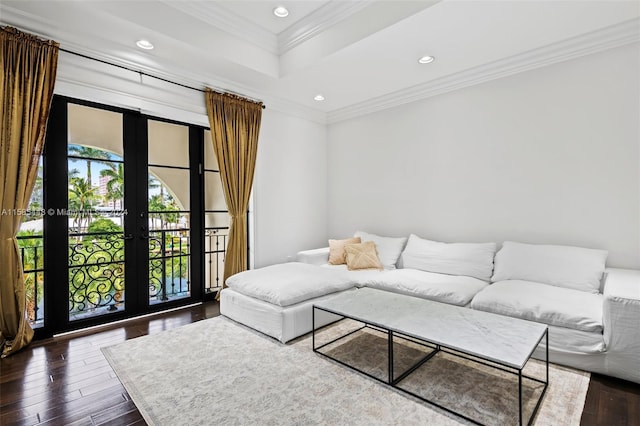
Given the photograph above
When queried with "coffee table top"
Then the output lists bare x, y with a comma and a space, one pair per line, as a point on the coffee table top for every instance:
505, 340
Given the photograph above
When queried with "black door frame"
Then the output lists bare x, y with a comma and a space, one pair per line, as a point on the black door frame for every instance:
55, 193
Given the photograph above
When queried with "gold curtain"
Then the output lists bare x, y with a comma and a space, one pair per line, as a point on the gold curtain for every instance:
28, 75
235, 125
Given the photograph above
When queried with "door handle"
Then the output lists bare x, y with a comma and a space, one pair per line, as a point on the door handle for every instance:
128, 237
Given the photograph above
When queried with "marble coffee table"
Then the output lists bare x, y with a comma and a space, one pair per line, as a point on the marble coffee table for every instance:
494, 340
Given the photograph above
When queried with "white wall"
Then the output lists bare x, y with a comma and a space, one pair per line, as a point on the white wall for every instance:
551, 155
290, 188
289, 193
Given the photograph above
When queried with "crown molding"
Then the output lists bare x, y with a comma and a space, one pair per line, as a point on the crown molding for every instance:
304, 29
227, 21
78, 81
317, 22
604, 39
127, 88
22, 20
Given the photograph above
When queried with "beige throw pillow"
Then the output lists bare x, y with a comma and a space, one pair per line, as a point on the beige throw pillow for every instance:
362, 256
336, 250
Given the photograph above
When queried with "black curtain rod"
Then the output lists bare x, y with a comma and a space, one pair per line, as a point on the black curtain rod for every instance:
138, 71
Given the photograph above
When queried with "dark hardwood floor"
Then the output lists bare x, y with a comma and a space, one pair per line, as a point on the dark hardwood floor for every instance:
611, 402
67, 381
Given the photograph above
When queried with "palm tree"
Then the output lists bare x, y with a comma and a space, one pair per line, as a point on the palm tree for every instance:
156, 204
115, 185
155, 183
171, 205
73, 173
88, 154
81, 197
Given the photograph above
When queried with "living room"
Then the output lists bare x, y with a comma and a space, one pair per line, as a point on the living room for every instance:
528, 131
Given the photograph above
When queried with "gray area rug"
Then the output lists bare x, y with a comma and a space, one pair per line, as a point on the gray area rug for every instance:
217, 372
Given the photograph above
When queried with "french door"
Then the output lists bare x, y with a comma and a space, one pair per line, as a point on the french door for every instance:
124, 222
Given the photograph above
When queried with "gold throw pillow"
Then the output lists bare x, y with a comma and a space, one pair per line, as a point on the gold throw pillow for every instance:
362, 256
336, 250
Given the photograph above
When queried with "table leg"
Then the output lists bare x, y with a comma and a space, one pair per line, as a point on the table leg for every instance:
390, 345
313, 328
547, 355
520, 395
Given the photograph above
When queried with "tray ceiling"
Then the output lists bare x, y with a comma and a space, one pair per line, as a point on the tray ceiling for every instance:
361, 55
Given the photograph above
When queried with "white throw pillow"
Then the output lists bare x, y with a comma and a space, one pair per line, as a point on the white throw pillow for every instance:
389, 248
562, 266
466, 259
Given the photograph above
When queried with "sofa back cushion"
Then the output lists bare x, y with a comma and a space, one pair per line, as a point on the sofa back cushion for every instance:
389, 248
468, 259
336, 250
562, 266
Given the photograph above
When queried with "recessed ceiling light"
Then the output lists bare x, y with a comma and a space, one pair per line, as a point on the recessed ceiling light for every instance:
281, 12
144, 44
319, 98
426, 59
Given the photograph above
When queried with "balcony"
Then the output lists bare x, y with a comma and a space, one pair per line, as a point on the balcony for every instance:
97, 263
32, 254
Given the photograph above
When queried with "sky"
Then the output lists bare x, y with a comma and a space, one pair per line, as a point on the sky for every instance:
97, 167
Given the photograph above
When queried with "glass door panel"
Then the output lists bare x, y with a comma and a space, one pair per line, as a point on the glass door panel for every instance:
216, 233
210, 159
31, 246
125, 218
168, 210
216, 220
213, 195
96, 239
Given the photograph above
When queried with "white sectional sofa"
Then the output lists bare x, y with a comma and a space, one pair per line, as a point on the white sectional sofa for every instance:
593, 312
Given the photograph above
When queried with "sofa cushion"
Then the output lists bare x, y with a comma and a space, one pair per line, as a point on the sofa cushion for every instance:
289, 283
562, 307
319, 256
336, 250
452, 289
469, 259
362, 256
389, 248
563, 266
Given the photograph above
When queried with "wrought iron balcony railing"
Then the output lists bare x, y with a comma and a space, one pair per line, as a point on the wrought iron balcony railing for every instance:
97, 263
215, 248
32, 255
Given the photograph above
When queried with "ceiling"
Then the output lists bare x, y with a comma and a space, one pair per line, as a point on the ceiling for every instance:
361, 55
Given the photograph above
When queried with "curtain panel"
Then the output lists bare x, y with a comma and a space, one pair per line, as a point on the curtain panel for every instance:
235, 126
28, 76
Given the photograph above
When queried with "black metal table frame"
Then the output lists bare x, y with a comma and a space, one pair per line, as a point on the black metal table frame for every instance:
436, 348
